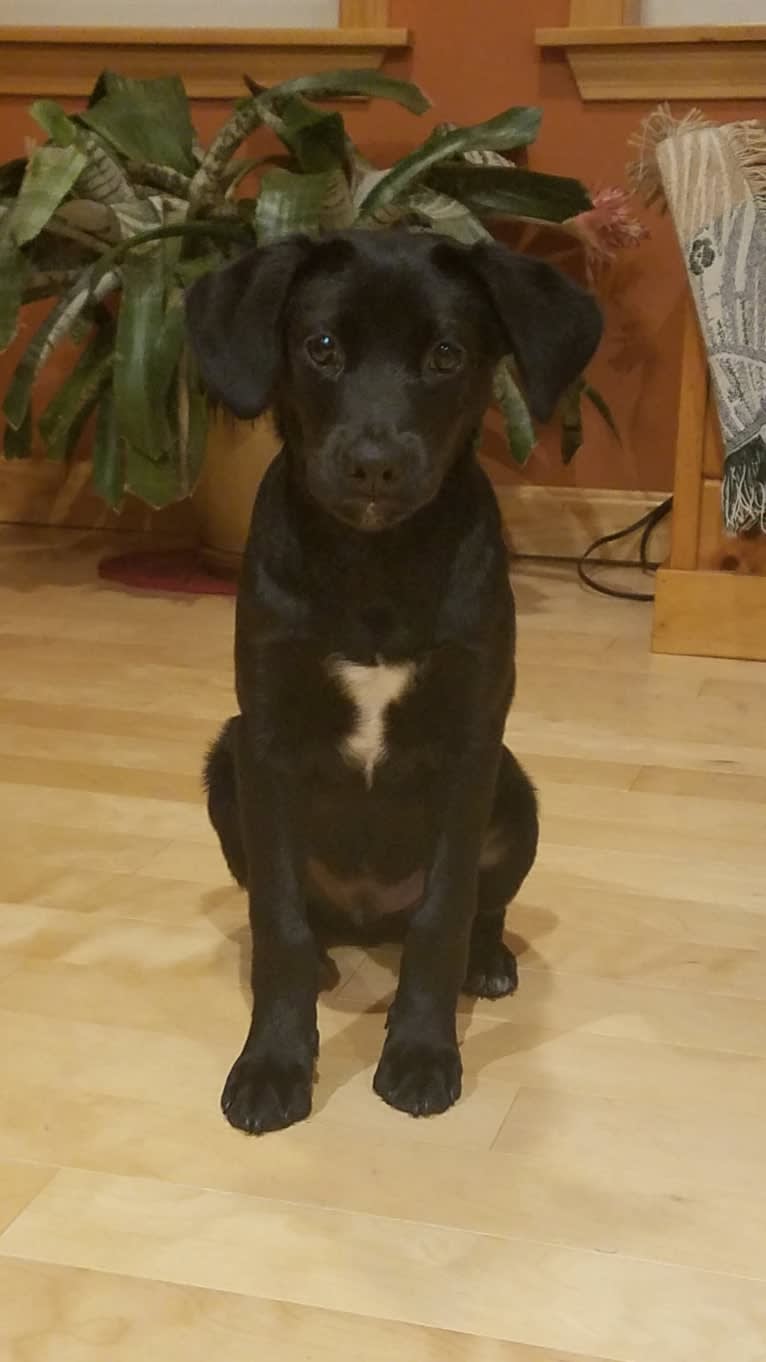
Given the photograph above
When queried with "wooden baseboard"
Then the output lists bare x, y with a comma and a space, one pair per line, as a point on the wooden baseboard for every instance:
710, 614
558, 522
39, 491
562, 522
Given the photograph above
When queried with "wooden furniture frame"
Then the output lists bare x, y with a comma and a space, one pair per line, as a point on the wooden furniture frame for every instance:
613, 56
711, 597
67, 61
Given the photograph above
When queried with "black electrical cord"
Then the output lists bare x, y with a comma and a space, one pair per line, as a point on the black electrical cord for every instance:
648, 523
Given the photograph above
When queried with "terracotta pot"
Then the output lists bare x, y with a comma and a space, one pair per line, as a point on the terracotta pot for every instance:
238, 454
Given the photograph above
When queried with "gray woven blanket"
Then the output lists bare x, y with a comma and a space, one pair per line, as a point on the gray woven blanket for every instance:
713, 180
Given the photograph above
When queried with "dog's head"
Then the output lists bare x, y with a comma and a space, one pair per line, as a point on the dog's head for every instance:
377, 350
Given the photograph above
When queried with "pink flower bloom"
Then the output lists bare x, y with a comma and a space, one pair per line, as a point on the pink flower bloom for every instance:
607, 227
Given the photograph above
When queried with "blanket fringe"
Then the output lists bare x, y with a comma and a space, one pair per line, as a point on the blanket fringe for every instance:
748, 142
743, 491
644, 172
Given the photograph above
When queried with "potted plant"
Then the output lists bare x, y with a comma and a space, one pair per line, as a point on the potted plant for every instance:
121, 209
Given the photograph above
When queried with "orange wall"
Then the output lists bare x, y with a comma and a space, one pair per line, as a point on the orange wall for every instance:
472, 60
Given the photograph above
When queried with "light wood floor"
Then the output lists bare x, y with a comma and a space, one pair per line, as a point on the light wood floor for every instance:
599, 1191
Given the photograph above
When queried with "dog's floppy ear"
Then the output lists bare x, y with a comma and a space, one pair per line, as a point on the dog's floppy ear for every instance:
233, 317
552, 326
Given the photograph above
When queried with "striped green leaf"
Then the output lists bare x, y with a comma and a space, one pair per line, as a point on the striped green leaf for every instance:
17, 444
446, 216
514, 128
316, 139
519, 430
108, 475
493, 192
290, 203
59, 323
155, 481
140, 418
602, 407
76, 395
102, 178
145, 120
13, 279
50, 174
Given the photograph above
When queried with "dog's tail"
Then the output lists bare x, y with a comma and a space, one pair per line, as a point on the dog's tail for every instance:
220, 781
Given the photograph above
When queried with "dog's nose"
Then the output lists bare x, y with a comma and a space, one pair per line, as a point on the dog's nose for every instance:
370, 470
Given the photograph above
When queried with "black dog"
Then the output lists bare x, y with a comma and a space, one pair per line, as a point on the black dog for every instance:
364, 781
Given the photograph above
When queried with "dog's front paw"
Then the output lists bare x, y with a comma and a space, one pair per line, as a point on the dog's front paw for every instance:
419, 1077
262, 1095
491, 971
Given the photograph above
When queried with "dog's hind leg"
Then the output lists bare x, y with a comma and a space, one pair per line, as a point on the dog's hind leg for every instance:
506, 859
220, 779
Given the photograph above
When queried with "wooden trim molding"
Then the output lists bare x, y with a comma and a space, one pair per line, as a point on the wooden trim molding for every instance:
710, 614
67, 61
614, 57
562, 522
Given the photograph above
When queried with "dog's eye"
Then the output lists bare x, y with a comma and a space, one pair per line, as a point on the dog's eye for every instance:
323, 350
445, 358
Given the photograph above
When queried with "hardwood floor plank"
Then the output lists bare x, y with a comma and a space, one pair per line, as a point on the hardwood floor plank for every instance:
20, 1183
51, 1312
595, 1196
443, 1279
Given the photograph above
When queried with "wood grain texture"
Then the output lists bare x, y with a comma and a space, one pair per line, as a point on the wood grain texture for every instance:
565, 521
710, 614
608, 62
66, 61
692, 408
713, 454
595, 34
596, 1196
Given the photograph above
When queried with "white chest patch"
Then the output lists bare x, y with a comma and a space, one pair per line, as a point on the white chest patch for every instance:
372, 690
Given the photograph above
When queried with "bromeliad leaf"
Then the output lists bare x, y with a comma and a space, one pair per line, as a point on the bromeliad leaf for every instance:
602, 407
59, 323
447, 216
167, 348
97, 219
50, 174
140, 416
17, 444
102, 179
369, 84
518, 423
145, 120
192, 422
493, 192
13, 278
316, 139
77, 394
365, 181
206, 179
337, 206
107, 455
250, 114
514, 128
290, 203
155, 481
137, 215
